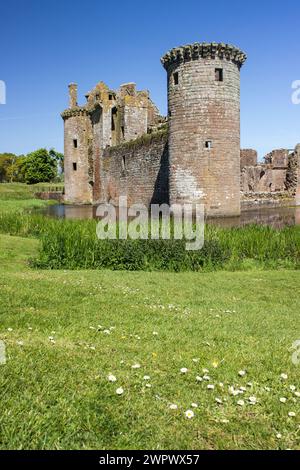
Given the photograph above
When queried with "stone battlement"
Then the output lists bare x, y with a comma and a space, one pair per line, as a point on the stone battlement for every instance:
205, 51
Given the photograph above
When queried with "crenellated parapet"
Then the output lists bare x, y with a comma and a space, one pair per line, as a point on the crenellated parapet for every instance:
203, 50
75, 112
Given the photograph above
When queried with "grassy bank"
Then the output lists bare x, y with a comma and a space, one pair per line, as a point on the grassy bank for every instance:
69, 244
55, 388
15, 198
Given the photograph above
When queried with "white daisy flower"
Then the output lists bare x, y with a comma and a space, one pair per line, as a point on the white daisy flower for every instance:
297, 394
199, 379
136, 366
284, 376
155, 333
196, 360
282, 400
279, 436
194, 405
120, 391
148, 385
189, 414
210, 387
206, 377
292, 414
234, 392
253, 400
184, 370
241, 403
107, 332
173, 407
219, 401
243, 389
146, 377
292, 388
242, 373
112, 378
221, 385
205, 371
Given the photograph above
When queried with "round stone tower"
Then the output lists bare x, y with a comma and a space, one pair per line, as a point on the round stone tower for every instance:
204, 126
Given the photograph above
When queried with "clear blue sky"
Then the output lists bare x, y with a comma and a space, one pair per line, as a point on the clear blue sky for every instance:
47, 44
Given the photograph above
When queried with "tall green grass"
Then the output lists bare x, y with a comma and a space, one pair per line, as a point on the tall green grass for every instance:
73, 244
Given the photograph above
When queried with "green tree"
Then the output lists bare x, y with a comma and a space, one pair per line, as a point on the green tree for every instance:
40, 167
59, 157
6, 161
16, 171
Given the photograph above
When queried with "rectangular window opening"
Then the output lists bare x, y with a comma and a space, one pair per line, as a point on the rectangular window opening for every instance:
219, 75
113, 119
208, 144
123, 163
110, 97
74, 166
75, 143
176, 78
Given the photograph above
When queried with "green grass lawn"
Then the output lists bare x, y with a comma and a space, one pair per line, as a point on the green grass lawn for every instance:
65, 332
55, 392
19, 197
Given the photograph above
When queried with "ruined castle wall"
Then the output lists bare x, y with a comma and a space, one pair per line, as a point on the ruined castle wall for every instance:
248, 157
135, 121
204, 136
78, 165
263, 179
138, 170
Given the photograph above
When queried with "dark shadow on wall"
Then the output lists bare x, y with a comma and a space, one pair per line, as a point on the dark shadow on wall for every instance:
161, 187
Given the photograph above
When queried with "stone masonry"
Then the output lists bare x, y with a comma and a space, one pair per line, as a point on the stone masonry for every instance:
278, 172
117, 144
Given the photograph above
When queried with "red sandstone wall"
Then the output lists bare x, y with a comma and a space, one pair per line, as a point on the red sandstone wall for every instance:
138, 170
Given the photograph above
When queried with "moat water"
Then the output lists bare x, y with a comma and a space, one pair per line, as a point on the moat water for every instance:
277, 217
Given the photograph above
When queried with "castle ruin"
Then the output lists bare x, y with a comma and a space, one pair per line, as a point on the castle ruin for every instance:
117, 144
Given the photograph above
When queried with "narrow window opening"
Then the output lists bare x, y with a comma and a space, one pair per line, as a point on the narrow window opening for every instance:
123, 163
110, 97
176, 78
75, 143
113, 119
97, 97
208, 144
262, 174
123, 131
74, 166
219, 75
